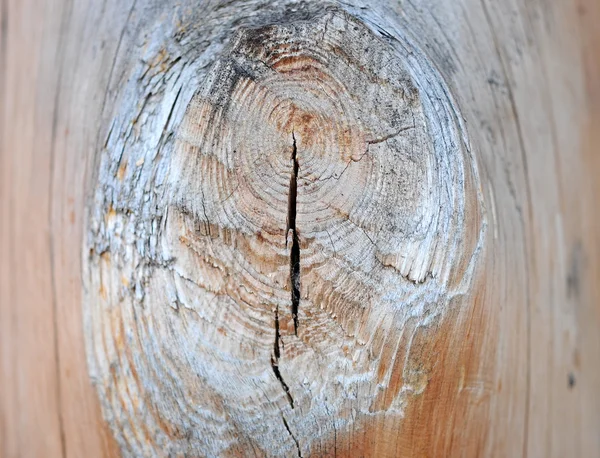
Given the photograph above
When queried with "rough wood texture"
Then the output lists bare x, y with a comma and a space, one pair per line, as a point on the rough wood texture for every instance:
293, 246
264, 258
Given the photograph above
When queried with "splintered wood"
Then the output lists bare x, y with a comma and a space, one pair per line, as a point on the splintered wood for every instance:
265, 279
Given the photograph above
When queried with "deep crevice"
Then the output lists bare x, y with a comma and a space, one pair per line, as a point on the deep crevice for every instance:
285, 423
291, 226
275, 360
294, 275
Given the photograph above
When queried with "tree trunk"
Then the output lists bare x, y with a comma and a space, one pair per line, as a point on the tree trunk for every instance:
269, 228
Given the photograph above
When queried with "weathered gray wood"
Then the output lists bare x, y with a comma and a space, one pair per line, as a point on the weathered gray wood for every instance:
317, 138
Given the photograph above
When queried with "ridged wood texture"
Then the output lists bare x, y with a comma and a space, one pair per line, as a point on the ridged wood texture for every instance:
302, 229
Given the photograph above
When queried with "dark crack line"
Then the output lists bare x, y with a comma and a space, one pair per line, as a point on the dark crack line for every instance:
291, 226
374, 141
275, 360
294, 274
205, 215
285, 423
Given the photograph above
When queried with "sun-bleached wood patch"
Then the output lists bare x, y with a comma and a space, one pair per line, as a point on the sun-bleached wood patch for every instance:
273, 222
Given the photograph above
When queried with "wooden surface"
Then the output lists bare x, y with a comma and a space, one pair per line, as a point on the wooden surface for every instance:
513, 366
269, 249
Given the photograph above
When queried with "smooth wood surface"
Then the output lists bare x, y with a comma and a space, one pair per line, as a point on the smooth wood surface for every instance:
515, 363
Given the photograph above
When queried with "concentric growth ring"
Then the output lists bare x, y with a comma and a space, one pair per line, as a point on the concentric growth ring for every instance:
319, 209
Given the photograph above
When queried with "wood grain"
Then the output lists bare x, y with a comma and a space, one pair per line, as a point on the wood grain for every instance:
273, 258
92, 90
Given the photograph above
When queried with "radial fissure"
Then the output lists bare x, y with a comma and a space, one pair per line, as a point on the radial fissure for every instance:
291, 226
294, 272
275, 360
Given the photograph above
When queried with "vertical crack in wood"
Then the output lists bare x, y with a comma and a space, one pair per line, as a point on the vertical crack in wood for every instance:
291, 226
285, 423
294, 273
275, 360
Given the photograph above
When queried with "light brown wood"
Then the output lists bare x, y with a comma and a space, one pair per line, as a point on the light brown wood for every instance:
508, 367
266, 271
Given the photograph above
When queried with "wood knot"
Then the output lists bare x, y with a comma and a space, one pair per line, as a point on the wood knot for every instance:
316, 207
